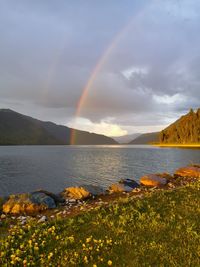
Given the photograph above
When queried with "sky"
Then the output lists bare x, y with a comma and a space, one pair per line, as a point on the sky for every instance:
110, 67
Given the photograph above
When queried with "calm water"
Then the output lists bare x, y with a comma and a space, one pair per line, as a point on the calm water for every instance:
27, 168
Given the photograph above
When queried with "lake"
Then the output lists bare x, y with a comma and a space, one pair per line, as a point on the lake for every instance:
27, 168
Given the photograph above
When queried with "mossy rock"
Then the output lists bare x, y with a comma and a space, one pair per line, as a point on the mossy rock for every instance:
189, 172
28, 203
155, 180
78, 193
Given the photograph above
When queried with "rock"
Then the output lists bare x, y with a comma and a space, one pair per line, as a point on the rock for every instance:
77, 193
159, 179
21, 218
42, 219
58, 199
28, 203
3, 216
126, 185
116, 188
129, 183
94, 189
41, 198
171, 185
137, 190
189, 172
71, 201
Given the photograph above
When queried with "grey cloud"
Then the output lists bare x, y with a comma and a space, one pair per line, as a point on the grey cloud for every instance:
49, 50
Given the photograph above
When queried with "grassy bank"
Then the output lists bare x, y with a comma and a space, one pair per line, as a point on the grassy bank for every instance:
159, 230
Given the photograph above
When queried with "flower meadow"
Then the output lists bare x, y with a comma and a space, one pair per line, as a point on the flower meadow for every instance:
162, 229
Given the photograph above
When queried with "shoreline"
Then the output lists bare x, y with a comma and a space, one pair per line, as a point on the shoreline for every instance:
117, 233
92, 231
177, 145
83, 200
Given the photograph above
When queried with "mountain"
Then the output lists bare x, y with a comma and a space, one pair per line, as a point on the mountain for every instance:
186, 130
125, 139
146, 138
18, 129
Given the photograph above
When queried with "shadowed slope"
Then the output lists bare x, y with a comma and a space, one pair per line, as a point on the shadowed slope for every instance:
18, 129
146, 138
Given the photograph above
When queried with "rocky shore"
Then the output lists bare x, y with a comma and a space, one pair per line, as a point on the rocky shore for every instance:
44, 206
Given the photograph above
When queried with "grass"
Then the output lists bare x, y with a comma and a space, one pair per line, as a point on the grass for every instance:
162, 229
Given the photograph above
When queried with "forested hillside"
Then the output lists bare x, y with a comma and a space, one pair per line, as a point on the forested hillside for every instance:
185, 130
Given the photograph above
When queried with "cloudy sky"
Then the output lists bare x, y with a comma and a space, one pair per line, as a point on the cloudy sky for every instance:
138, 62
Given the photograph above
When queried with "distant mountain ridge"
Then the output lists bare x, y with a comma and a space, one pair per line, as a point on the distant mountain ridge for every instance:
125, 139
146, 138
19, 129
186, 130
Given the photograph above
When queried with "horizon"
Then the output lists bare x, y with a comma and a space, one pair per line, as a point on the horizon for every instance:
61, 124
141, 133
130, 72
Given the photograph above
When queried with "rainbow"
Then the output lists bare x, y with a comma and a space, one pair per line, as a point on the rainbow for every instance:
89, 85
94, 74
96, 70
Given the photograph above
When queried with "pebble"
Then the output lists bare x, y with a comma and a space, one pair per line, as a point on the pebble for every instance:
72, 201
22, 218
171, 185
42, 219
3, 216
136, 190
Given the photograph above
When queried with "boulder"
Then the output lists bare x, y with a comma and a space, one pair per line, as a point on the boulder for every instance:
41, 198
29, 203
77, 193
124, 185
58, 199
189, 172
95, 190
155, 180
116, 188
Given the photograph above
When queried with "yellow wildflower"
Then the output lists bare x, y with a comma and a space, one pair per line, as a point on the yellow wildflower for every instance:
71, 239
85, 259
109, 263
50, 255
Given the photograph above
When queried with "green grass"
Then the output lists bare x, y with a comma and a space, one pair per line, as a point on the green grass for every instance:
159, 230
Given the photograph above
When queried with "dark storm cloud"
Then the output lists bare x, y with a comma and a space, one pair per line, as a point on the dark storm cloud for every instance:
49, 49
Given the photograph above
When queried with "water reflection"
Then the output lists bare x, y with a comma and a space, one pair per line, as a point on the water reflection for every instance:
27, 168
